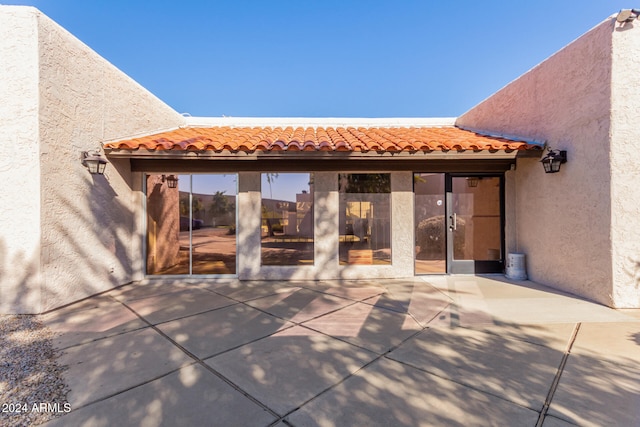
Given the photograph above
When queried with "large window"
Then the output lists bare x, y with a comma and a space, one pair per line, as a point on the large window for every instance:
191, 228
287, 219
365, 218
430, 228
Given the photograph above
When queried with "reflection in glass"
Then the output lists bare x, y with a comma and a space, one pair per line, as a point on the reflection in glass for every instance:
191, 229
430, 233
165, 251
365, 218
213, 225
477, 234
287, 219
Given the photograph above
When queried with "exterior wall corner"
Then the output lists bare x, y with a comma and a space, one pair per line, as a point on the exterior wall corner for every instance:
20, 241
625, 167
566, 102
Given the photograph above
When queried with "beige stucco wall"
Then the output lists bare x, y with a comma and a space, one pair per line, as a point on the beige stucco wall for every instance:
71, 100
19, 162
570, 224
84, 100
625, 165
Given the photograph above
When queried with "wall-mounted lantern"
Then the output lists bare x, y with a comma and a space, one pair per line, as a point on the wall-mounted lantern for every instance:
94, 161
552, 161
172, 180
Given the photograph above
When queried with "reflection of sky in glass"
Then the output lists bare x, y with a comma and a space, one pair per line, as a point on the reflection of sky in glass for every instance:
209, 184
285, 186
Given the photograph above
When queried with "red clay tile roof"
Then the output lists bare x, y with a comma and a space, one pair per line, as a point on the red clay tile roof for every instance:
361, 139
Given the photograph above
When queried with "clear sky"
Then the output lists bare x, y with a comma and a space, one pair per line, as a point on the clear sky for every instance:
325, 58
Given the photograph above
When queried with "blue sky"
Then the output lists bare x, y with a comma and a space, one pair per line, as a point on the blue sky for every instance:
325, 58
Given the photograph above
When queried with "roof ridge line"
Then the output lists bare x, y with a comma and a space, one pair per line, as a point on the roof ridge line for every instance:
316, 122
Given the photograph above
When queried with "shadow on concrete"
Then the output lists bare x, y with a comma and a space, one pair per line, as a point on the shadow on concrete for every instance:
294, 356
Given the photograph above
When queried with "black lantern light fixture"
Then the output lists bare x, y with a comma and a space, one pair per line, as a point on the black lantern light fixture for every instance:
172, 180
94, 161
472, 181
552, 161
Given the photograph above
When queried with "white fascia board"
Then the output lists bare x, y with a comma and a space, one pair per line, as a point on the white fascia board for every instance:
318, 122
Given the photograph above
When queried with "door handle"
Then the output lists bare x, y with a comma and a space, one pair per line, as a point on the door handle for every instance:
454, 222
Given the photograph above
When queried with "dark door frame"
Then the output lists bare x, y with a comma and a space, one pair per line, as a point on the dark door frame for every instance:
472, 266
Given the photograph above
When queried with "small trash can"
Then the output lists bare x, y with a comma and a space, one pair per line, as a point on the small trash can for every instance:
516, 267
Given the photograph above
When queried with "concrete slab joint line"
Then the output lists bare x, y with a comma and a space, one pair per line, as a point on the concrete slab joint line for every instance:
556, 379
284, 419
199, 362
301, 353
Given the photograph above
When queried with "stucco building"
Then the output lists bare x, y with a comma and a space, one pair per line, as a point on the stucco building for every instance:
278, 198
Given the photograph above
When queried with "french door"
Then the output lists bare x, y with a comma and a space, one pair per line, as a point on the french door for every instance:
459, 223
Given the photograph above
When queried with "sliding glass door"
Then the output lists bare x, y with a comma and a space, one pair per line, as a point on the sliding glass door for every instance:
191, 226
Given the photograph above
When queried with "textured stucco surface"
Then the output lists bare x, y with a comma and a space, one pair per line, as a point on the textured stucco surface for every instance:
563, 220
248, 230
88, 222
625, 165
63, 99
19, 158
510, 217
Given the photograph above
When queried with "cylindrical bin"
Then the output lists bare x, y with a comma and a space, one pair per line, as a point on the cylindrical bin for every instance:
516, 267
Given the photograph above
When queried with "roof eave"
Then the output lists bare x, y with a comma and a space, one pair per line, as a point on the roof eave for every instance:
318, 155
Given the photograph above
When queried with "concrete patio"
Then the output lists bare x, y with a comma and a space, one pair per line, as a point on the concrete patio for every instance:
436, 350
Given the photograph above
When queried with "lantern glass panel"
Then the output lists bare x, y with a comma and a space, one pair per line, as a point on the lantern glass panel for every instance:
101, 166
92, 165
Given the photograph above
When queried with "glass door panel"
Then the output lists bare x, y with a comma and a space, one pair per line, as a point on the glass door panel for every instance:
191, 227
213, 224
430, 224
167, 250
475, 227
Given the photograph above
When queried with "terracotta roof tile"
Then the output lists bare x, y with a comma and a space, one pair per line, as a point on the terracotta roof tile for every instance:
362, 139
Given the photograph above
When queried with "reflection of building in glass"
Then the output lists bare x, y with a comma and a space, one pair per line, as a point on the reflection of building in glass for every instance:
163, 226
190, 233
304, 213
287, 225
